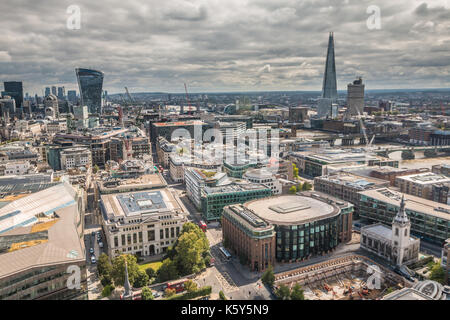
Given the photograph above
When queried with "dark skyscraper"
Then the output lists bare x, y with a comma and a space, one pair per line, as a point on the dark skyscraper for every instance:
14, 89
329, 89
72, 95
47, 91
90, 83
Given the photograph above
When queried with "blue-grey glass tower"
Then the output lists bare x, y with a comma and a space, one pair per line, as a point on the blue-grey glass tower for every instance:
329, 89
14, 89
90, 83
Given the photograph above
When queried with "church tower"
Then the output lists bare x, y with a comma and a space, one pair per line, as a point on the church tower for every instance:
400, 233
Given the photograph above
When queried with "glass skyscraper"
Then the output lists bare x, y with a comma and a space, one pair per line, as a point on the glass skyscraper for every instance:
329, 89
90, 83
14, 89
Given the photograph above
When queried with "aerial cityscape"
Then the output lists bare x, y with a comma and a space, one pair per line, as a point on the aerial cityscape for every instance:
204, 150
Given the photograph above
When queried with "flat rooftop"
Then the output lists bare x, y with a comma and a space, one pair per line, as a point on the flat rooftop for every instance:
138, 203
178, 123
355, 181
425, 178
292, 209
413, 203
235, 187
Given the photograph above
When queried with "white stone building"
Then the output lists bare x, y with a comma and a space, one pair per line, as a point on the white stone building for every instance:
395, 244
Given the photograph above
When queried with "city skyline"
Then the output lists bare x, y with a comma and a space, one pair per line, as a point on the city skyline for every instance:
213, 47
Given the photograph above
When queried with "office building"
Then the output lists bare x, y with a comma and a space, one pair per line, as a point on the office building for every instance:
429, 220
90, 85
445, 260
329, 88
215, 198
298, 114
47, 91
265, 177
54, 92
144, 223
346, 186
51, 106
306, 224
355, 98
75, 157
197, 179
72, 96
14, 89
41, 245
420, 185
249, 236
61, 93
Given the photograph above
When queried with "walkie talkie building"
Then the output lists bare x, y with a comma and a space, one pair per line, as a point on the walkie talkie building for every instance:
90, 83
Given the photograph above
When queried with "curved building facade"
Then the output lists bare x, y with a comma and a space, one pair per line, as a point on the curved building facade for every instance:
90, 83
307, 224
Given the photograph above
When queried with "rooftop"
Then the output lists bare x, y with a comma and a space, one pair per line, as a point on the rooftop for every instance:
235, 187
355, 181
413, 203
292, 209
425, 178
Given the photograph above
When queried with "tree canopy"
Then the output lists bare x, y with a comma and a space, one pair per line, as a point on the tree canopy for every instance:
118, 269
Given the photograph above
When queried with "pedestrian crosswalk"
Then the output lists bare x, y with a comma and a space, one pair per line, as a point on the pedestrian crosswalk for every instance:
227, 282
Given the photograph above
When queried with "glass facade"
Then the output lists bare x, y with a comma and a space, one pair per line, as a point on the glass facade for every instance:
426, 226
90, 83
301, 241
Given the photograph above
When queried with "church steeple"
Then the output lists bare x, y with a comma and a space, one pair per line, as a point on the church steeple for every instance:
401, 217
127, 294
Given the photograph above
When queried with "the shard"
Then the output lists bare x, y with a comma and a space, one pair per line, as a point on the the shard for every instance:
329, 89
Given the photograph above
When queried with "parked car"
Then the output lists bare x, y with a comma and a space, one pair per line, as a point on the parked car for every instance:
100, 244
91, 250
93, 260
156, 295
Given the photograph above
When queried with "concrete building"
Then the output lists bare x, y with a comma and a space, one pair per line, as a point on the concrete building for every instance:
144, 223
422, 290
248, 236
395, 244
75, 157
178, 163
391, 173
41, 245
429, 220
420, 185
265, 177
306, 224
51, 106
298, 114
355, 98
445, 260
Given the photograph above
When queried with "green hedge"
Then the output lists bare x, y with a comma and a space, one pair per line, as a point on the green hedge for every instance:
204, 291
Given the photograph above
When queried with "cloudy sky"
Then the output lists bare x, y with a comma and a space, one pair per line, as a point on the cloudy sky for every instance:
225, 45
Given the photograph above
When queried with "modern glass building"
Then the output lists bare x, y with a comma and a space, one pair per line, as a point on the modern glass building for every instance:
90, 83
215, 198
429, 220
14, 89
306, 225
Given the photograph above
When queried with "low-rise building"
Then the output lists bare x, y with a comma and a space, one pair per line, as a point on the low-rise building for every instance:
390, 173
249, 236
420, 185
75, 157
144, 223
215, 198
265, 177
346, 186
429, 220
197, 179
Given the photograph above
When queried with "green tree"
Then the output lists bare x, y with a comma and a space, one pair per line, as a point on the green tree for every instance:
438, 273
268, 277
191, 248
141, 280
292, 190
167, 271
106, 280
297, 293
222, 295
282, 292
106, 292
118, 269
95, 169
190, 286
147, 294
170, 292
104, 266
306, 186
299, 187
150, 272
295, 170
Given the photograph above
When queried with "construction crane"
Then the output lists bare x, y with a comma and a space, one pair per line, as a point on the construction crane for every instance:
129, 95
187, 98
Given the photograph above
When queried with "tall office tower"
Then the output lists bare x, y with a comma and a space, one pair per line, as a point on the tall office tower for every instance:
72, 95
47, 91
355, 98
329, 88
8, 107
61, 93
14, 89
90, 83
54, 91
